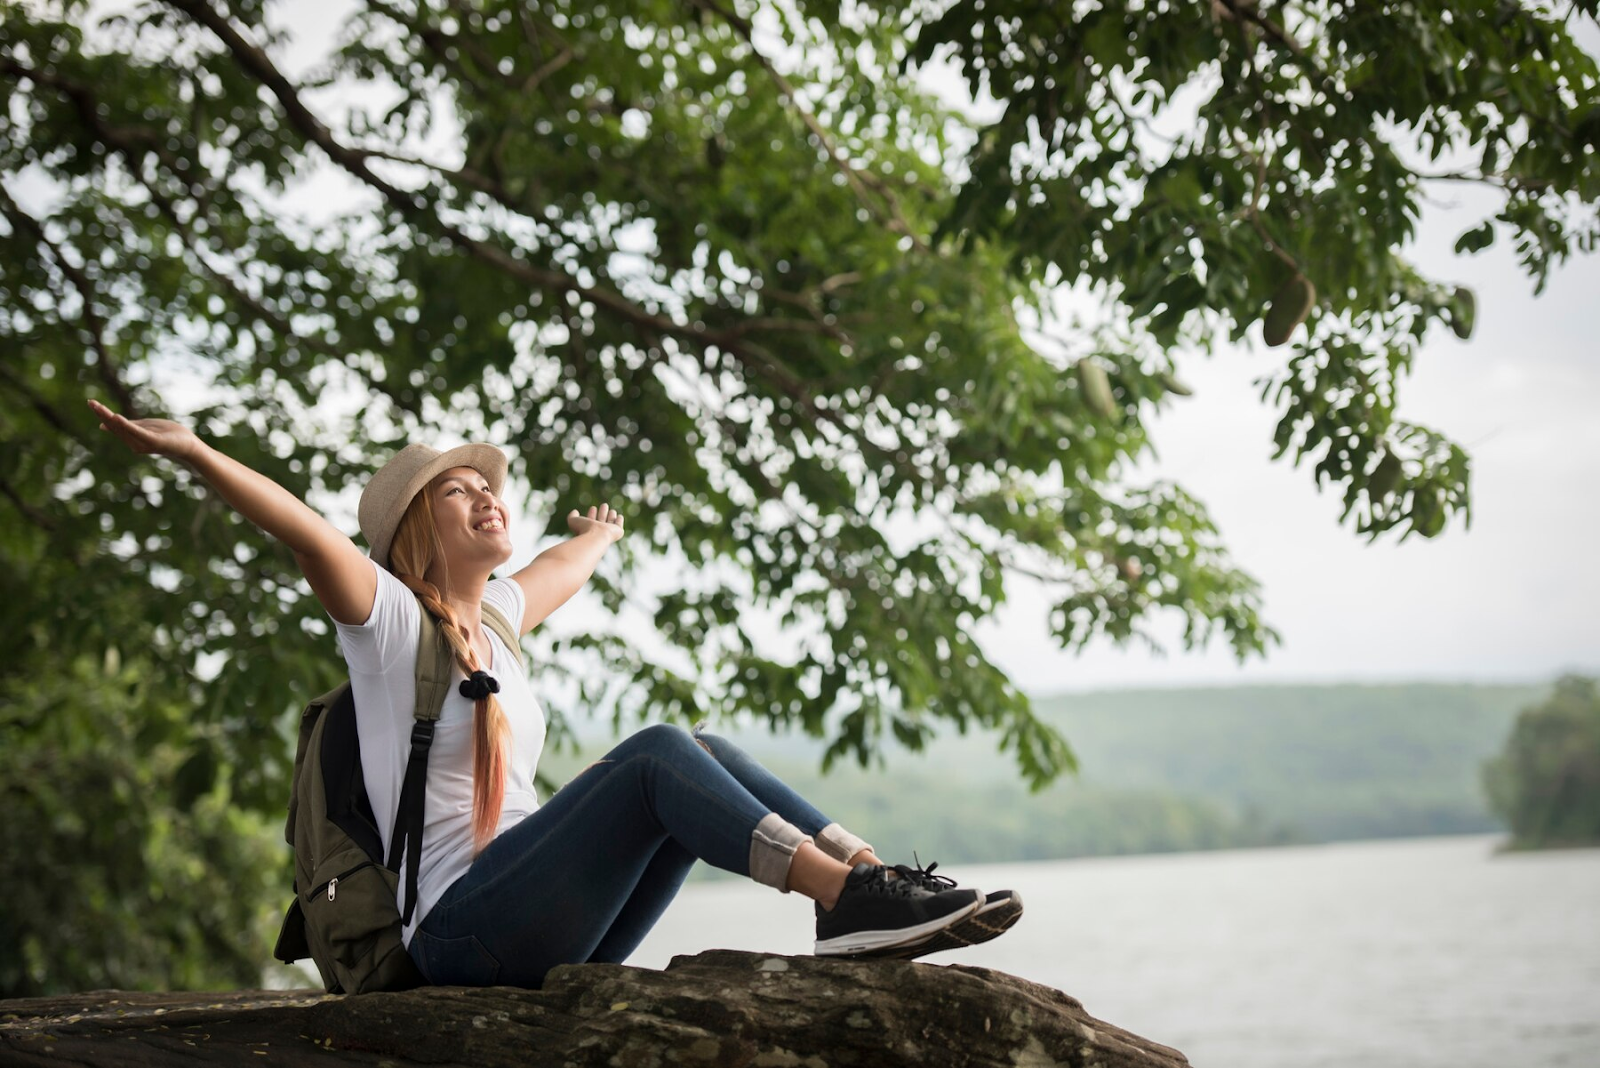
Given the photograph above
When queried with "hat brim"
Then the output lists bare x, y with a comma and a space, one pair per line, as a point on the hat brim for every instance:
386, 514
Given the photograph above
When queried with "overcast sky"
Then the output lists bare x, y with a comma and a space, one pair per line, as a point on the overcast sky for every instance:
1517, 597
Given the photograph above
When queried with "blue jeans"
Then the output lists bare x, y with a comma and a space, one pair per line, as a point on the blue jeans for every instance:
587, 875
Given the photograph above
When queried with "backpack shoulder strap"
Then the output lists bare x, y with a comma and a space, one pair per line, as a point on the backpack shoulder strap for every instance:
434, 661
497, 622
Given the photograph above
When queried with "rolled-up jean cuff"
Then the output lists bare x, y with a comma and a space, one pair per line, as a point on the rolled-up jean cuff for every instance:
839, 843
772, 846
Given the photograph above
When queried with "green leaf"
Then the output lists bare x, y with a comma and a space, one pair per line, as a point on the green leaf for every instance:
1477, 239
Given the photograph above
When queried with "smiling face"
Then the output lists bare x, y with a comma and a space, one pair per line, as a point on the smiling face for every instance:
472, 524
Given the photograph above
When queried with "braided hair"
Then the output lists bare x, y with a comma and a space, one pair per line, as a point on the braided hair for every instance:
415, 548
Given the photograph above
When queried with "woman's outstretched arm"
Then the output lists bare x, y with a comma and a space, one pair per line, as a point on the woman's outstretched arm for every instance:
339, 573
561, 570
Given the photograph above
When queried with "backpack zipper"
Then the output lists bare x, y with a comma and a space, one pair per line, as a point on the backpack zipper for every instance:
332, 885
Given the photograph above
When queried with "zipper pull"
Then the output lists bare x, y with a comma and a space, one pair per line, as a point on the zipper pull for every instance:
333, 885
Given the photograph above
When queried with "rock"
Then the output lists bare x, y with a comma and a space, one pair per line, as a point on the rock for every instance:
719, 1009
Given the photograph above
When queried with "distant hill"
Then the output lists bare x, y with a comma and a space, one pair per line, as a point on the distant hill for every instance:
1179, 769
1333, 762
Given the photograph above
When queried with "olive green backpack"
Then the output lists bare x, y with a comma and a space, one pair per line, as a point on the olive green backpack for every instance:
344, 916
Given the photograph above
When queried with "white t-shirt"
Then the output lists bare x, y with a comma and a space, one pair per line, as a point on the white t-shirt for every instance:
382, 656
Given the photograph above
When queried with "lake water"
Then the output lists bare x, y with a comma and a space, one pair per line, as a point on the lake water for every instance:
1409, 953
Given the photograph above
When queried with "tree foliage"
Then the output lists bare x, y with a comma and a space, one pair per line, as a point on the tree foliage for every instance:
1546, 783
734, 270
130, 861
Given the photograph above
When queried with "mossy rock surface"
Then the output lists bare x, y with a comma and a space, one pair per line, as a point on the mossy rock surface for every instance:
719, 1009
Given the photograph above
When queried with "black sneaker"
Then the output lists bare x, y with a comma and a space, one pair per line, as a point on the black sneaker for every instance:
875, 912
999, 910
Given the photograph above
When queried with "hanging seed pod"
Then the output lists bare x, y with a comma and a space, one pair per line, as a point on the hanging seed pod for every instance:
1171, 384
1463, 312
1096, 387
1288, 309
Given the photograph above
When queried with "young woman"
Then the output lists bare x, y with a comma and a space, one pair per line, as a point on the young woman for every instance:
508, 887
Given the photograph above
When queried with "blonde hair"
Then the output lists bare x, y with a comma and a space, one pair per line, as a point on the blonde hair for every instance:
415, 548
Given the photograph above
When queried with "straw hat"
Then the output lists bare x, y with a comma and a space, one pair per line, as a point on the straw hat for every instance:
390, 490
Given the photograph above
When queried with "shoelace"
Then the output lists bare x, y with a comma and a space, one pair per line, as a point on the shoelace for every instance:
878, 882
924, 877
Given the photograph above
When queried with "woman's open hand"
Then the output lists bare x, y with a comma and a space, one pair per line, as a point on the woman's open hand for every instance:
162, 437
605, 519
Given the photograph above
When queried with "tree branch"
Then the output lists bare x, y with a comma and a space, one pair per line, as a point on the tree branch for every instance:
859, 180
106, 364
38, 518
466, 176
414, 206
57, 421
1506, 183
1249, 11
132, 143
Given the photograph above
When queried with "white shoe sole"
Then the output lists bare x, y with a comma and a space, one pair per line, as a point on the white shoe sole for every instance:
868, 941
990, 921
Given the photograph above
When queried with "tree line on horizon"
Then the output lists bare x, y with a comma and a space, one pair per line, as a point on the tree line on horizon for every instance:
1187, 769
1545, 785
